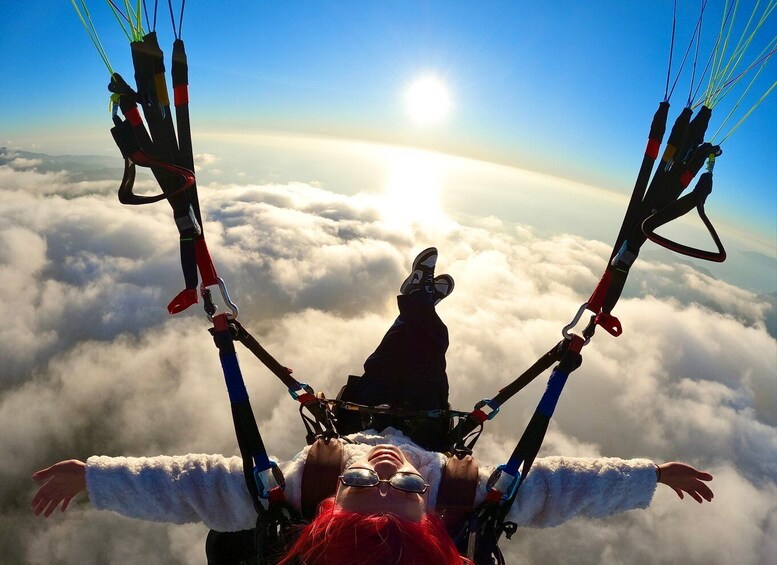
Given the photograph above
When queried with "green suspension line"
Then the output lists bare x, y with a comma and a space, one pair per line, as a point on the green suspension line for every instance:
86, 20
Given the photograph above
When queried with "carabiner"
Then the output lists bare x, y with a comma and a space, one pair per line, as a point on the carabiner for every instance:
494, 406
268, 479
575, 320
565, 331
504, 483
225, 296
303, 389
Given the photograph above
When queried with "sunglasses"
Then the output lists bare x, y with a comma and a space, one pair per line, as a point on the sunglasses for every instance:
365, 478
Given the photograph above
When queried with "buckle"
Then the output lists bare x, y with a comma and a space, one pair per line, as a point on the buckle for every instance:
269, 479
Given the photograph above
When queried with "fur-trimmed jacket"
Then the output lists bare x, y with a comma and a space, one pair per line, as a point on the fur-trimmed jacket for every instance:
211, 488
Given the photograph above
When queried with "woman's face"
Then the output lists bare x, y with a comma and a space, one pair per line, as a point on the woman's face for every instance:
386, 461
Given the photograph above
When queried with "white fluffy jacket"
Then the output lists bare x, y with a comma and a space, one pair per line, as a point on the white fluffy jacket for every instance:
211, 488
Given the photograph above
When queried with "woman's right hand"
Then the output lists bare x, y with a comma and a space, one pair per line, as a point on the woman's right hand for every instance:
684, 478
58, 484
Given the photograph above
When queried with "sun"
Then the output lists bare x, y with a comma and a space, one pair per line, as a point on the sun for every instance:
427, 100
413, 187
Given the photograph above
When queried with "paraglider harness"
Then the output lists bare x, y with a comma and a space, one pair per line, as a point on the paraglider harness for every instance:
166, 149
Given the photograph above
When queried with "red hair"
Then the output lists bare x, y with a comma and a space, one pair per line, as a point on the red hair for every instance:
341, 536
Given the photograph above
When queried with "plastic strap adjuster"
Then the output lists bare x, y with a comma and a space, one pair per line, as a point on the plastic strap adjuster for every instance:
269, 479
300, 392
479, 413
503, 483
624, 258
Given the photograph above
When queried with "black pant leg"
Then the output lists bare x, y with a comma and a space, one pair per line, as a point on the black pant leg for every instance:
408, 367
408, 370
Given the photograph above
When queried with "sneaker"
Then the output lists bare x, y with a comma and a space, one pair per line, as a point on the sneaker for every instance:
422, 274
443, 286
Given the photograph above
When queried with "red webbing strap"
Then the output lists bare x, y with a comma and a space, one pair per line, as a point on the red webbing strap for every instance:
686, 178
596, 300
205, 263
220, 323
181, 94
456, 497
610, 323
276, 496
479, 416
494, 496
144, 159
183, 300
306, 398
320, 474
653, 146
133, 117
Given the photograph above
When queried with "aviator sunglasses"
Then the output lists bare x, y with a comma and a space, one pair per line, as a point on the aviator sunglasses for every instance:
361, 478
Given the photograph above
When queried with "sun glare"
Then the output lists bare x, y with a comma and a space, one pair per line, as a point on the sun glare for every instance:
427, 100
413, 188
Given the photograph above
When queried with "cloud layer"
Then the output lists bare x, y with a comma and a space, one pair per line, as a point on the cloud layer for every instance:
93, 365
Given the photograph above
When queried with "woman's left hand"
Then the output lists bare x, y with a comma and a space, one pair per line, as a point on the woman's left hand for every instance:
684, 478
58, 484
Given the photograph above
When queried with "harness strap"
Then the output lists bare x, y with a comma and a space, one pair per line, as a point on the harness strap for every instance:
683, 157
531, 440
161, 152
320, 474
676, 139
263, 478
478, 416
487, 524
301, 392
656, 135
148, 60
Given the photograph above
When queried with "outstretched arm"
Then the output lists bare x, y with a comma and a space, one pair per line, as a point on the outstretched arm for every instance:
181, 489
58, 484
558, 489
684, 478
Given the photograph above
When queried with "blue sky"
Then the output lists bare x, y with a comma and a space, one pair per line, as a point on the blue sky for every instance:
566, 88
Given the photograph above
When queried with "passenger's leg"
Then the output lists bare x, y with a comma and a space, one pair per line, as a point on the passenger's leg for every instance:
407, 370
408, 367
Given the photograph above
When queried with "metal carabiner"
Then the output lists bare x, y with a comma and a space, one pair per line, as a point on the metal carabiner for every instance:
565, 331
573, 323
225, 296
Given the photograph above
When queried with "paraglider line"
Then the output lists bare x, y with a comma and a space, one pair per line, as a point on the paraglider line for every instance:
747, 115
179, 32
723, 90
145, 11
118, 14
696, 56
671, 52
722, 83
92, 32
718, 54
687, 50
180, 20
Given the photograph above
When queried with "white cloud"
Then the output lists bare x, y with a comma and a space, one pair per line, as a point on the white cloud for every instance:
203, 160
22, 163
92, 364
